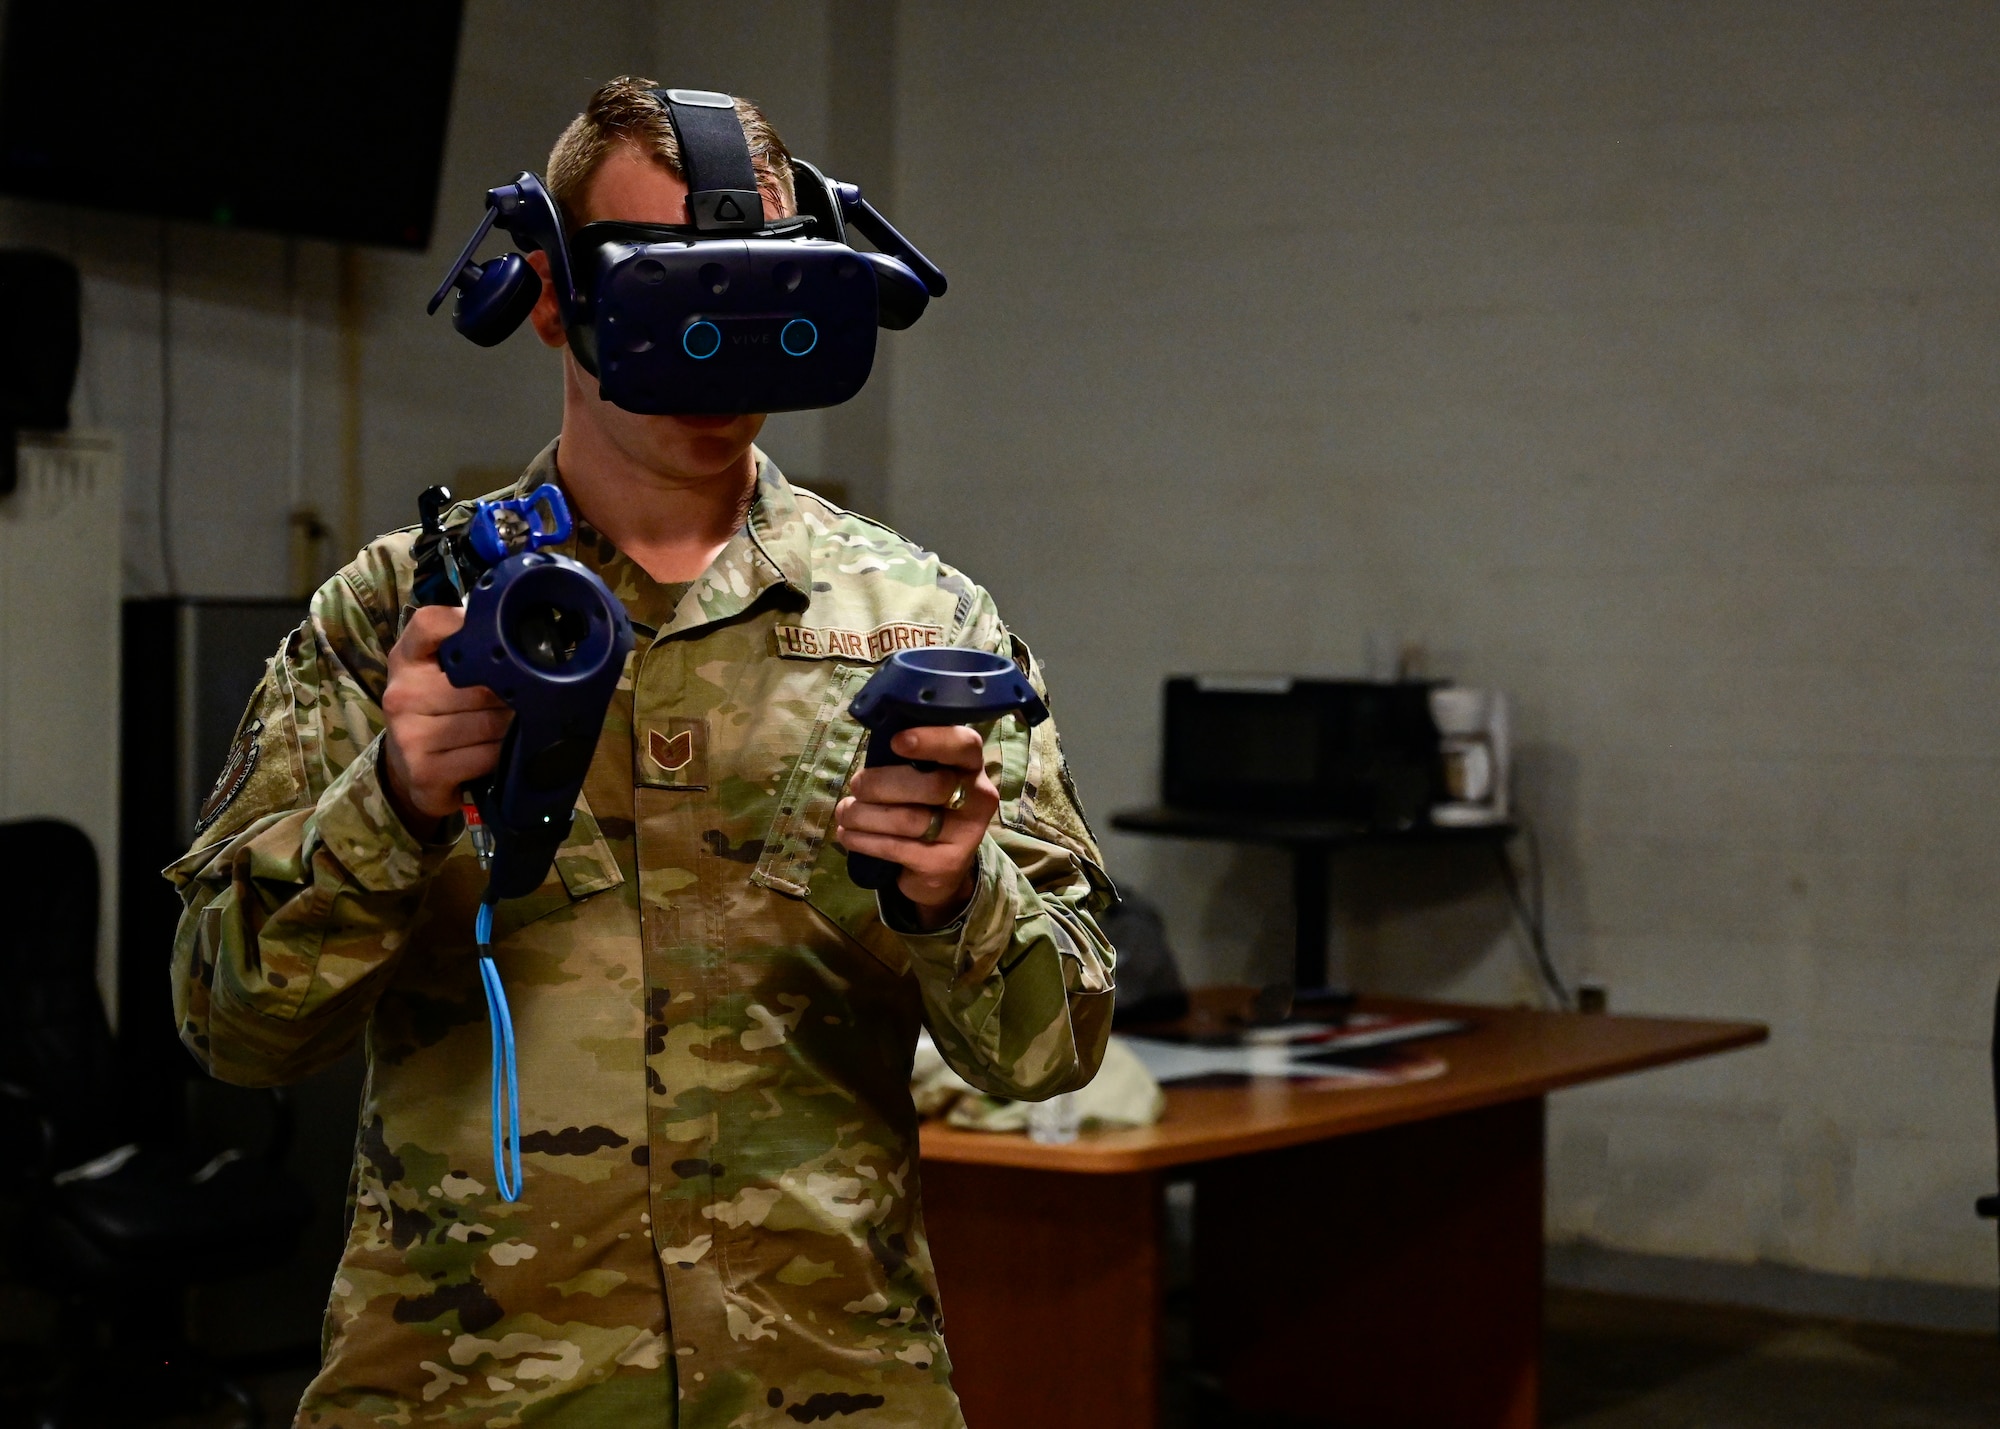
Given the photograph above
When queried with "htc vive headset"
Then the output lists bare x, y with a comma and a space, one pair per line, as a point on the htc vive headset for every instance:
729, 312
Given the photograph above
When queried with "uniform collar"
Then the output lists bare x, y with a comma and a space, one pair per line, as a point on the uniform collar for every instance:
773, 549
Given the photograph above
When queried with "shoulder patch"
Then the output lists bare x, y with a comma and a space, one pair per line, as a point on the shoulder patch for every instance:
236, 772
807, 642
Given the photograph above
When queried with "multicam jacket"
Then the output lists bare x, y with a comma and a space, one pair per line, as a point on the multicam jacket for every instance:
720, 1223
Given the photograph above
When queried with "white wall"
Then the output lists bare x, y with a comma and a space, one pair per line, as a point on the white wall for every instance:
1638, 359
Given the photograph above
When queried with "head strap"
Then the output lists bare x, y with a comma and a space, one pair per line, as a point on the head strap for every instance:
715, 155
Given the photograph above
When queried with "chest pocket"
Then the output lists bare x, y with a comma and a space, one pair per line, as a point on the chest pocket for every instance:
585, 864
832, 751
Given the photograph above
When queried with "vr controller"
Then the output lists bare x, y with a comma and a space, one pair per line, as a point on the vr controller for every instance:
945, 686
547, 636
729, 312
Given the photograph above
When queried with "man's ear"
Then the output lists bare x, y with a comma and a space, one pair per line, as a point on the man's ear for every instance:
545, 315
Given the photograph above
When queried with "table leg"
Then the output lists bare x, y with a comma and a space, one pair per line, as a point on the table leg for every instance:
1391, 1279
1051, 1287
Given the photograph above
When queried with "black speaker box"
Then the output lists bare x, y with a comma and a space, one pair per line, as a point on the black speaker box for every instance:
39, 346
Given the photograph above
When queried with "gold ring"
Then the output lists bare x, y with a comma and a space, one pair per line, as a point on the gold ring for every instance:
957, 799
933, 828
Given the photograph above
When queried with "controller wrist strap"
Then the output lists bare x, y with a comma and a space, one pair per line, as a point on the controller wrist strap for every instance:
506, 1072
506, 1077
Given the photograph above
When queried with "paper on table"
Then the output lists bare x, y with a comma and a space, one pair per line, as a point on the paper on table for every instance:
1366, 1030
1179, 1062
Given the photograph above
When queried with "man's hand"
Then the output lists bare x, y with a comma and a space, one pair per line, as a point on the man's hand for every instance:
439, 735
892, 807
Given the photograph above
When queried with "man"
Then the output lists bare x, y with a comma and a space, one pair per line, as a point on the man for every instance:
719, 1224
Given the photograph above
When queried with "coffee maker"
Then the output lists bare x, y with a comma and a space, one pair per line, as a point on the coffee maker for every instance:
1473, 749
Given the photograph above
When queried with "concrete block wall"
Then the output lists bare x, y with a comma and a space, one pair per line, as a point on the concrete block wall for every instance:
1637, 359
226, 403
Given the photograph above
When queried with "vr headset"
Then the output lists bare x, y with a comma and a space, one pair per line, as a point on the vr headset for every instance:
729, 312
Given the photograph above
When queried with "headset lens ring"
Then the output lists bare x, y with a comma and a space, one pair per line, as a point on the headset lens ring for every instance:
798, 337
701, 340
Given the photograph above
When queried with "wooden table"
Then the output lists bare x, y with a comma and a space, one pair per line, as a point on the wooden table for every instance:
1368, 1256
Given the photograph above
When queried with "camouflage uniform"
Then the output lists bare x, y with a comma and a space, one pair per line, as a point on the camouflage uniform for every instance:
715, 1026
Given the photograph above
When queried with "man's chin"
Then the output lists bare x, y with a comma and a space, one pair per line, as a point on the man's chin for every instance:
703, 444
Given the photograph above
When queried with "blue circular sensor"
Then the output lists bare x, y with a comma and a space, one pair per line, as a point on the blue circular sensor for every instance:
798, 337
702, 339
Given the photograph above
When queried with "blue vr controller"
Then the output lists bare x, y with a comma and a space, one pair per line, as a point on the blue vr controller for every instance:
944, 686
549, 638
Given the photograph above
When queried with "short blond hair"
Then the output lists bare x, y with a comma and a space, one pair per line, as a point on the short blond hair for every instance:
624, 111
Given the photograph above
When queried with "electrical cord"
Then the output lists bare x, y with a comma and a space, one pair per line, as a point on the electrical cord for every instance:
1532, 915
86, 367
295, 457
161, 491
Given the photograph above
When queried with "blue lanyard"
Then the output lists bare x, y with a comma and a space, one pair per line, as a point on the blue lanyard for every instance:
506, 1075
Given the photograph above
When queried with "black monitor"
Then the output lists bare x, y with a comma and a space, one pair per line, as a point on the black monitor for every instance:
324, 121
1330, 749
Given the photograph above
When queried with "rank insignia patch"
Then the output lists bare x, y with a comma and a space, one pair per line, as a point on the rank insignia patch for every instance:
672, 755
676, 756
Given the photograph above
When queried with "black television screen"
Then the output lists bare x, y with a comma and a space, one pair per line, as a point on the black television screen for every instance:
325, 121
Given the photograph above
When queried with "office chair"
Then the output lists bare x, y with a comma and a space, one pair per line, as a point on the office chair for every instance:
117, 1221
1149, 978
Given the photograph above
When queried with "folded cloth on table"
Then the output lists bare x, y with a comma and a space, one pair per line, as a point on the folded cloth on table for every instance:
1122, 1094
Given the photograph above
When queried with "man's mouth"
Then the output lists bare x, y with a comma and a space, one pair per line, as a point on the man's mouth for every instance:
710, 423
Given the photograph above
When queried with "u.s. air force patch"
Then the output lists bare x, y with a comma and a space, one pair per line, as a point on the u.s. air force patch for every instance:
236, 772
806, 642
